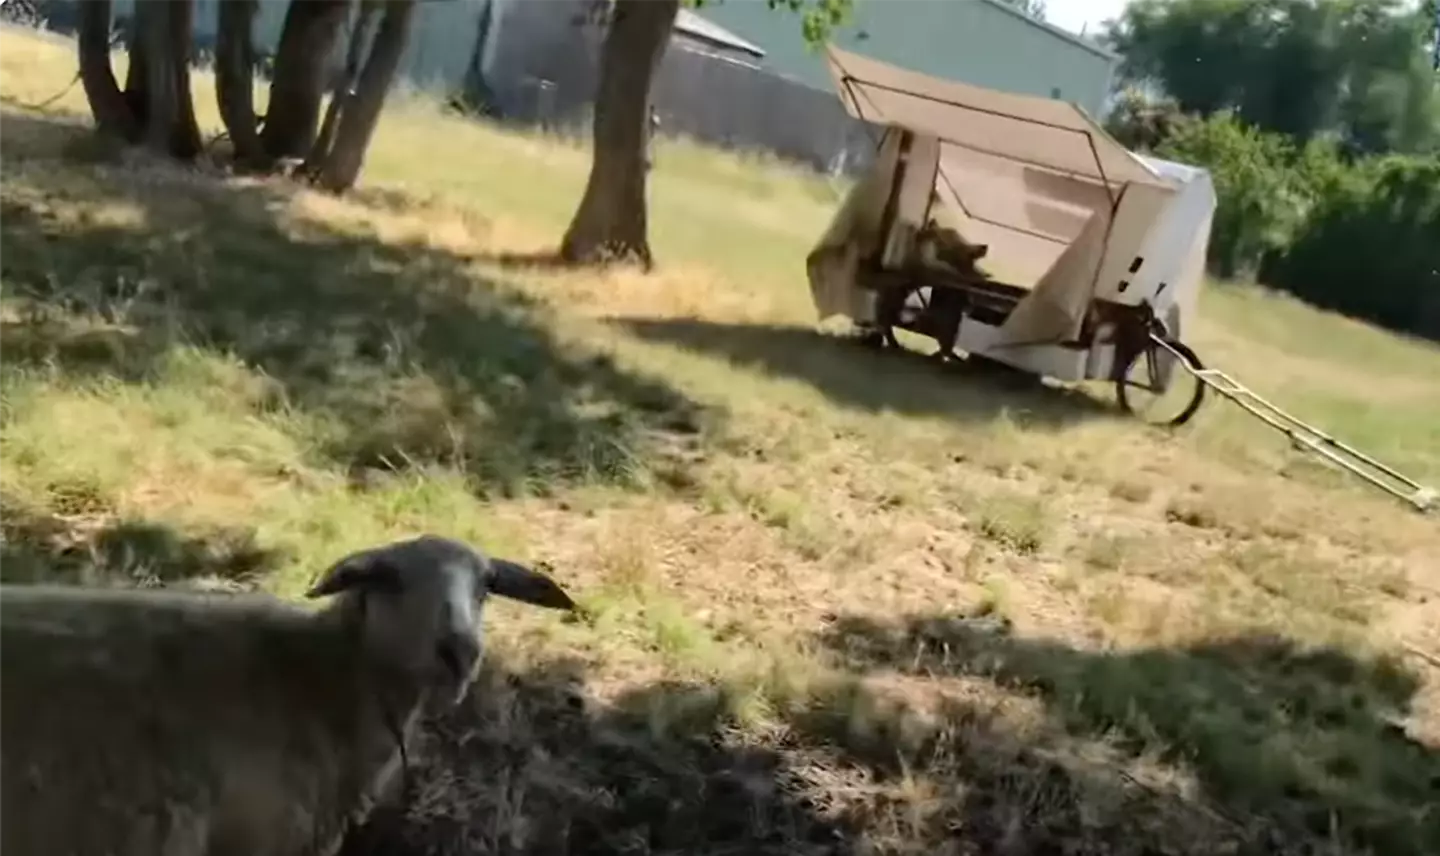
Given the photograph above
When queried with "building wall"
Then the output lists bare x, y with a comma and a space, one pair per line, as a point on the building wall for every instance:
975, 41
544, 58
544, 69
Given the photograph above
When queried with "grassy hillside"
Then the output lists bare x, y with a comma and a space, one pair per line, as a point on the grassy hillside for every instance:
835, 601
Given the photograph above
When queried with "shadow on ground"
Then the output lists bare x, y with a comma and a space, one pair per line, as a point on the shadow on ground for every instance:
403, 353
1301, 745
533, 765
853, 375
37, 547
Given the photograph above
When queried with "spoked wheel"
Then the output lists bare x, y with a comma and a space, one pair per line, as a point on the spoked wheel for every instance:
1156, 388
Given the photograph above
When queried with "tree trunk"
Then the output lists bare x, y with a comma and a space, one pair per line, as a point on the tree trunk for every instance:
362, 111
475, 93
611, 220
298, 86
107, 104
235, 81
158, 81
136, 95
345, 88
186, 140
170, 121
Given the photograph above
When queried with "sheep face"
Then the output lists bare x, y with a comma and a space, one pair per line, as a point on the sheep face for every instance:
420, 602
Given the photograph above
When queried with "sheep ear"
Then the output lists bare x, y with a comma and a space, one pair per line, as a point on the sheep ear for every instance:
518, 582
364, 570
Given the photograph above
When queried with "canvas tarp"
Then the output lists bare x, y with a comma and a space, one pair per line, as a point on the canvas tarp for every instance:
1061, 204
1042, 132
833, 264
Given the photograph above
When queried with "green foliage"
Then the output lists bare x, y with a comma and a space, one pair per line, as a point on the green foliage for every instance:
1360, 236
818, 18
1259, 202
1371, 245
1140, 123
1291, 104
1357, 68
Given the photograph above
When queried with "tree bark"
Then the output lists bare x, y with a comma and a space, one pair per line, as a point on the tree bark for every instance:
107, 104
475, 93
345, 87
186, 142
362, 110
611, 222
136, 95
235, 81
298, 87
158, 80
170, 126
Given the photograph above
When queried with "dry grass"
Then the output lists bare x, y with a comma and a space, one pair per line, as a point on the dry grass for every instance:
833, 601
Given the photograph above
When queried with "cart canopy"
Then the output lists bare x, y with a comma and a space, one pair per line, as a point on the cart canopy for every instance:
1064, 209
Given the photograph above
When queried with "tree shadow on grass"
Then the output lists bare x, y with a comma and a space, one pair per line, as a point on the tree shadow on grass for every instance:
1298, 746
856, 376
37, 547
402, 354
530, 764
31, 129
533, 765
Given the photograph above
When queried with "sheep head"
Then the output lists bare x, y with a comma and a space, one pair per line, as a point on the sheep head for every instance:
420, 601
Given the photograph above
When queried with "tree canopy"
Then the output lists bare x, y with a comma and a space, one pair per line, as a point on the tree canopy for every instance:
1355, 70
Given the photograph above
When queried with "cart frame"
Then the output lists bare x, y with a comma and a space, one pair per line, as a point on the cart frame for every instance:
940, 301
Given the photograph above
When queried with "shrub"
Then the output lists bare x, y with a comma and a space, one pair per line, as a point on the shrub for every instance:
1142, 123
1260, 202
1370, 246
1360, 236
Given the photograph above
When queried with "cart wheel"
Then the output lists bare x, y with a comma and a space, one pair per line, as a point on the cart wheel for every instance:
918, 299
1150, 363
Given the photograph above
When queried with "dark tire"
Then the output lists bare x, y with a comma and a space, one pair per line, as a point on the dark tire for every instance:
1191, 407
889, 332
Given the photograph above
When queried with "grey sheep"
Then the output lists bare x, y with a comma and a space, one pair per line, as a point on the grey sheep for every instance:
144, 723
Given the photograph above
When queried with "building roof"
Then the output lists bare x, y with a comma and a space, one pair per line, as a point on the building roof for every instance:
693, 25
1058, 32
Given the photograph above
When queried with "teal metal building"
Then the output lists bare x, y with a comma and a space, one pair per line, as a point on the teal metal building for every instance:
984, 42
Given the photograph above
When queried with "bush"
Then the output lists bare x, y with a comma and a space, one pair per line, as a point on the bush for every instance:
1260, 201
1359, 236
1141, 123
1370, 246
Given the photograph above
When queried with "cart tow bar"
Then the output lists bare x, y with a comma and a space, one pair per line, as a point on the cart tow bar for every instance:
1307, 437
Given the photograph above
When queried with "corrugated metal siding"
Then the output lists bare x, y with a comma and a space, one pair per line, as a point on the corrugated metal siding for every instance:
967, 40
